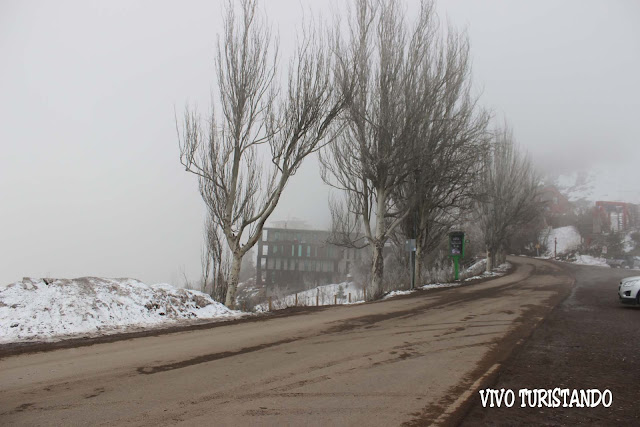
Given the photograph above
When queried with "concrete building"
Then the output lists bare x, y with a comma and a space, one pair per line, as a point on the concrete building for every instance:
301, 258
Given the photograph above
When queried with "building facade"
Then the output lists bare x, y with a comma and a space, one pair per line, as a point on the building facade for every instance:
301, 258
615, 217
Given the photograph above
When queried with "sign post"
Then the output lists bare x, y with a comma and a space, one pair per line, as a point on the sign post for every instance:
456, 250
410, 245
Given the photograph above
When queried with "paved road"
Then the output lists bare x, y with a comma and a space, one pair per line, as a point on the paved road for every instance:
413, 360
590, 341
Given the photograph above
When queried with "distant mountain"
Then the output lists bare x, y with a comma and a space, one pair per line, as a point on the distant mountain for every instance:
618, 183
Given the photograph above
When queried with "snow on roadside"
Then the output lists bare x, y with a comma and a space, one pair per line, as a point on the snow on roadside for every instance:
589, 260
325, 296
501, 270
35, 309
397, 293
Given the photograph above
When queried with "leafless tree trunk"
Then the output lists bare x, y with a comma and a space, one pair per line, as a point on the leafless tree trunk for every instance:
206, 258
216, 266
293, 122
510, 194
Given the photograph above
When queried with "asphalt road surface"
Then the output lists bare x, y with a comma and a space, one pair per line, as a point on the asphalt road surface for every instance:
589, 341
413, 360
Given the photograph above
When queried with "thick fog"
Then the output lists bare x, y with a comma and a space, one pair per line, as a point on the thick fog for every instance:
90, 180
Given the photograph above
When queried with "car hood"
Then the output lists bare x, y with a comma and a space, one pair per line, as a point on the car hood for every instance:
630, 279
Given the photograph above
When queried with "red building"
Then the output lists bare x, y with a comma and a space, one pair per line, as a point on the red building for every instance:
614, 217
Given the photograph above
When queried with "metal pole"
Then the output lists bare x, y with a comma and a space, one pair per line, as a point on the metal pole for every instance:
413, 252
555, 249
413, 269
456, 268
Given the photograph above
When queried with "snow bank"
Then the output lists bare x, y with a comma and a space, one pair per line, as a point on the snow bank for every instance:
589, 260
39, 309
568, 239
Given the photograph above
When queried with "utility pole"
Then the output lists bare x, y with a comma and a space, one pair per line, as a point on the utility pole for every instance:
555, 248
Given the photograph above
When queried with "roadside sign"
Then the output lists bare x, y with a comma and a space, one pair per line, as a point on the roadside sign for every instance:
604, 249
456, 250
456, 243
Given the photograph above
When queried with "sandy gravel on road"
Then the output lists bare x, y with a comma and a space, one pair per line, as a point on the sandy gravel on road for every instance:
590, 341
407, 360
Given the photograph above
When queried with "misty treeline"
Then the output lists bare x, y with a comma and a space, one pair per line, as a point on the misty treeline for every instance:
387, 102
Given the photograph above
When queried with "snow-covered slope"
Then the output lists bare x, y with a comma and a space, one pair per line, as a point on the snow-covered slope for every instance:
612, 183
43, 310
568, 239
325, 296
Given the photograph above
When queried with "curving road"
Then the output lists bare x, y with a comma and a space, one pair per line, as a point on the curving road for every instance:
412, 360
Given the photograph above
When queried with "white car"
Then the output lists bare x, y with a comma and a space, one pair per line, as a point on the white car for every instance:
629, 290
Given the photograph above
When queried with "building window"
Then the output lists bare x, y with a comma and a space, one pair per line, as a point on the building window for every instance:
277, 236
299, 250
308, 250
265, 249
275, 249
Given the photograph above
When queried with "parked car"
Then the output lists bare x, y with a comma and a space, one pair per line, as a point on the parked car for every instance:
629, 290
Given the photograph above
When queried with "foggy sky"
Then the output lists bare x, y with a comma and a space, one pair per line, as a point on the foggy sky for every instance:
90, 182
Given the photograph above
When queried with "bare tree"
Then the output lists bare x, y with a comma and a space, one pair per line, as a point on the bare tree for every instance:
452, 141
510, 194
407, 86
225, 151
